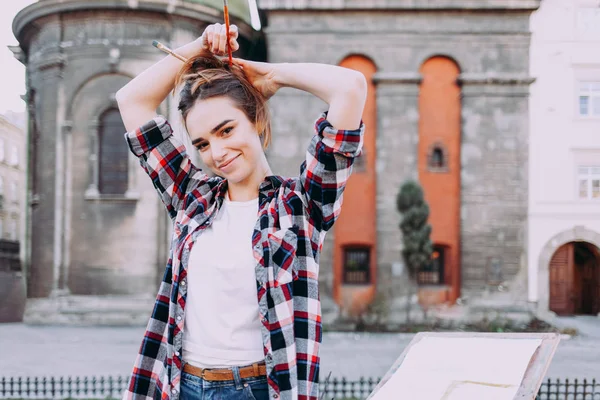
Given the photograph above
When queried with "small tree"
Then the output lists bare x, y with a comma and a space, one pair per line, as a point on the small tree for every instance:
416, 231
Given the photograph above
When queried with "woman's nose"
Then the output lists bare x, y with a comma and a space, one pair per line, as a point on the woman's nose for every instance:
218, 152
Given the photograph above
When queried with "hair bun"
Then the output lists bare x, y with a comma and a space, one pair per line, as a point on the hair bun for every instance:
203, 68
205, 60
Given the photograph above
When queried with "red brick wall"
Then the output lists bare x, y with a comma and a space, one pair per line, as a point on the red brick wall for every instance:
440, 123
357, 222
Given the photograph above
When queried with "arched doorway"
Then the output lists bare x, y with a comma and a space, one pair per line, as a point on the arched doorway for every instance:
574, 271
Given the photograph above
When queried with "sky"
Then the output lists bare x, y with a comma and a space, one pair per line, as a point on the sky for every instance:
12, 72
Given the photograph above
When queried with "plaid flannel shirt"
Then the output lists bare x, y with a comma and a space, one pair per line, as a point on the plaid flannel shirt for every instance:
293, 217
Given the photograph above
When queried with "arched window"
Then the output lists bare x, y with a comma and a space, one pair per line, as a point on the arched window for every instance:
437, 159
113, 154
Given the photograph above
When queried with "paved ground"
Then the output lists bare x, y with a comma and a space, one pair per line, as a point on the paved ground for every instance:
69, 351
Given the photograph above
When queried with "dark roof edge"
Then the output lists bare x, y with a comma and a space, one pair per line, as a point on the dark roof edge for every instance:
408, 5
49, 7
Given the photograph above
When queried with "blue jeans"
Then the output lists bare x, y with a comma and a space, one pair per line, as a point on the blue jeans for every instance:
196, 388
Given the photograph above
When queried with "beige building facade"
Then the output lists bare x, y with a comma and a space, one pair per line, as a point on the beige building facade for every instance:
13, 164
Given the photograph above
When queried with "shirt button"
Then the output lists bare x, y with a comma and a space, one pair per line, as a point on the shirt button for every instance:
264, 319
174, 391
269, 358
177, 353
183, 282
179, 318
275, 396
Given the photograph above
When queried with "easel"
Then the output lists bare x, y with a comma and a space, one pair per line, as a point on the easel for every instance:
534, 373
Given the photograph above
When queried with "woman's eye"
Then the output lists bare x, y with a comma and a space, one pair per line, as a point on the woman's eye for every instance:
202, 146
227, 131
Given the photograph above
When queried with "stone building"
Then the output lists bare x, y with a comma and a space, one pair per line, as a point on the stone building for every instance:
564, 168
12, 211
447, 104
98, 236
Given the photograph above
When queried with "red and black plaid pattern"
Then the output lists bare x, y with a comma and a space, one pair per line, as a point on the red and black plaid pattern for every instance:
293, 217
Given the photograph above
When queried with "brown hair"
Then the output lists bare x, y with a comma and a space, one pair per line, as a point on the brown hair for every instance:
204, 76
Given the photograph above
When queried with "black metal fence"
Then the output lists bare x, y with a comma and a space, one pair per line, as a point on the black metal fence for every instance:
113, 387
577, 389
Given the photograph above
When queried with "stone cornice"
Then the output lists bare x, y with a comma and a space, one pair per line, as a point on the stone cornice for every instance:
182, 9
463, 79
475, 5
495, 79
397, 77
55, 60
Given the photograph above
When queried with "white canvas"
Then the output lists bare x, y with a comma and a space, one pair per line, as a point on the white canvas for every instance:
446, 368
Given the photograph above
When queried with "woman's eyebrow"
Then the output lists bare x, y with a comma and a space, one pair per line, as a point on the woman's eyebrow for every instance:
214, 130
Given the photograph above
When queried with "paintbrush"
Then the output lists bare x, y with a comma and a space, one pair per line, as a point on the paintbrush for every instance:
167, 50
226, 14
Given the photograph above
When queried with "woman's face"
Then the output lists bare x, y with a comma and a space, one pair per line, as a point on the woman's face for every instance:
225, 138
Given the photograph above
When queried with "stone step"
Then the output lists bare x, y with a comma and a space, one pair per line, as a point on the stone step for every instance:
89, 310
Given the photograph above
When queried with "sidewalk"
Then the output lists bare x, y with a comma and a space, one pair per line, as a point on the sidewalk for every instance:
82, 351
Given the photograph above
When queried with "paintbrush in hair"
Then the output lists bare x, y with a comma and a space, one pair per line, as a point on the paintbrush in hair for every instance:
226, 14
167, 50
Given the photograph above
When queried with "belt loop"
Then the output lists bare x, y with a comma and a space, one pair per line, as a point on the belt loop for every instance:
255, 367
237, 378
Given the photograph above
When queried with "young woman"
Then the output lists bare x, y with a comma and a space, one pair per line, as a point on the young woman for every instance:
238, 314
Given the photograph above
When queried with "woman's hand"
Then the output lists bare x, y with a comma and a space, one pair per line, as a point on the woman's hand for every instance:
214, 39
262, 76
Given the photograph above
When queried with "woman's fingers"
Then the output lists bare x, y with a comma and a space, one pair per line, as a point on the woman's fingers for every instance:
207, 37
233, 35
233, 31
215, 38
222, 46
239, 62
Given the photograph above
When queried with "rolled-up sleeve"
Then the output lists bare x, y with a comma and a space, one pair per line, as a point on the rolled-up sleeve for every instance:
166, 162
149, 135
327, 168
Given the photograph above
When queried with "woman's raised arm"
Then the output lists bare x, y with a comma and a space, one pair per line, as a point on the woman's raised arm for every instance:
345, 90
139, 99
338, 136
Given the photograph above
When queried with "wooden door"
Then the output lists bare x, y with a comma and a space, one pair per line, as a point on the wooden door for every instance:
561, 281
595, 309
589, 286
596, 300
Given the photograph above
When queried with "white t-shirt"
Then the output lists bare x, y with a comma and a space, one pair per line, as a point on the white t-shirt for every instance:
222, 326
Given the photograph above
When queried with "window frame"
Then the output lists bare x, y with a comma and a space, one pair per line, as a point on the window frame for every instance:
589, 177
2, 149
14, 229
357, 248
591, 94
14, 155
427, 275
14, 191
92, 192
441, 147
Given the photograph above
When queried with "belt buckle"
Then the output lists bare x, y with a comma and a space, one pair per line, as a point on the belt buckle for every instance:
202, 373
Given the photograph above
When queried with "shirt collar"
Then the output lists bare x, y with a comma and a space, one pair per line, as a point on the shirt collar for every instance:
270, 184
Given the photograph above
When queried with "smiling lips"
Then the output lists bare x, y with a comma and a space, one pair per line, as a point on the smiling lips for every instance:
227, 163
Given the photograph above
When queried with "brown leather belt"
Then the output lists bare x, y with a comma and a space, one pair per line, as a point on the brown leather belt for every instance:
255, 370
